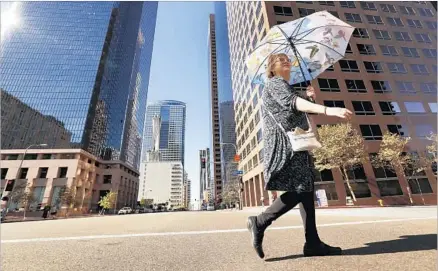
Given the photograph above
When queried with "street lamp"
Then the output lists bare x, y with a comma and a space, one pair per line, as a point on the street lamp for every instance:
6, 193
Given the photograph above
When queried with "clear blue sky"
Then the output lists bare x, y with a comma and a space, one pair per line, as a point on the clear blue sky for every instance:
179, 71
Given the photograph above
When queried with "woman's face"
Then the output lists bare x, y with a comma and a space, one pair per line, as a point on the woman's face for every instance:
281, 65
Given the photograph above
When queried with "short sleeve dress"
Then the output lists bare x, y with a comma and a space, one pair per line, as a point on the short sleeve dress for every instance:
284, 169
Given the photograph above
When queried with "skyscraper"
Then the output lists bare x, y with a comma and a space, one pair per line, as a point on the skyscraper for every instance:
214, 107
172, 117
388, 78
227, 124
85, 63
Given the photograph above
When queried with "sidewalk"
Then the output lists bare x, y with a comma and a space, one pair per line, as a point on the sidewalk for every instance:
14, 219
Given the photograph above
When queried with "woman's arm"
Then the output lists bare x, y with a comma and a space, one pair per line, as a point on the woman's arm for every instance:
308, 107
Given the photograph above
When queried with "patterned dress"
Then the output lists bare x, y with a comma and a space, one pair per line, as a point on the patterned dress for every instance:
284, 169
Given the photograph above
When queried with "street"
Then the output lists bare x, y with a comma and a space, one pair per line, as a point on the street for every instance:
391, 238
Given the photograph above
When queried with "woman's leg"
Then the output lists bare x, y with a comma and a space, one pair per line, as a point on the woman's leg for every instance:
303, 214
308, 204
279, 207
258, 224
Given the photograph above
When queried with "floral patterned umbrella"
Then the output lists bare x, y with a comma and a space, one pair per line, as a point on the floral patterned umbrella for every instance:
312, 43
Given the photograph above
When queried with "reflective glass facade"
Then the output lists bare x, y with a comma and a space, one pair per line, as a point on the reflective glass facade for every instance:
172, 131
85, 63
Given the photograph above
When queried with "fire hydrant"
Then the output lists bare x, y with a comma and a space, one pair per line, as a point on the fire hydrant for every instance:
380, 202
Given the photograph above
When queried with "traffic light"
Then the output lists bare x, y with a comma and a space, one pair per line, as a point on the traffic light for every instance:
10, 185
202, 162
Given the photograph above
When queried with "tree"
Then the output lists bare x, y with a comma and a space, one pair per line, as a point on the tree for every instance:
418, 163
342, 147
230, 193
392, 154
67, 198
432, 148
23, 195
107, 201
142, 202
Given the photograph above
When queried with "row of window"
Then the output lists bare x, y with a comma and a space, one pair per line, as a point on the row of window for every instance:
42, 172
332, 85
387, 108
377, 67
390, 50
356, 18
362, 33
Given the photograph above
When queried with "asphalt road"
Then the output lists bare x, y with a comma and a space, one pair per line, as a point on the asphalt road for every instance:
372, 239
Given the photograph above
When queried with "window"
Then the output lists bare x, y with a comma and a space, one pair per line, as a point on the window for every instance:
334, 104
361, 33
371, 131
434, 68
327, 3
410, 52
420, 186
358, 182
12, 157
4, 173
23, 173
301, 86
398, 129
414, 23
381, 34
305, 11
389, 108
433, 107
330, 85
394, 21
431, 25
425, 12
429, 53
402, 36
255, 101
334, 13
348, 66
374, 19
281, 22
388, 50
405, 87
407, 10
396, 68
428, 88
43, 172
107, 179
388, 8
373, 67
423, 130
261, 24
348, 49
368, 5
389, 187
330, 69
347, 4
381, 86
355, 86
423, 38
259, 135
363, 108
366, 49
419, 69
353, 17
62, 172
283, 11
414, 107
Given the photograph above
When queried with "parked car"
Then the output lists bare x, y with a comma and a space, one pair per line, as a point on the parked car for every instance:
210, 207
125, 210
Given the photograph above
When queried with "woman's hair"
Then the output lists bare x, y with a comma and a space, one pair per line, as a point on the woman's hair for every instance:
271, 62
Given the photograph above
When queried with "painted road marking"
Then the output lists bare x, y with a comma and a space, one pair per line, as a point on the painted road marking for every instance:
147, 234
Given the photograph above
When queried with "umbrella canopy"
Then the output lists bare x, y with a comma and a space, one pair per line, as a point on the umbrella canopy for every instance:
312, 43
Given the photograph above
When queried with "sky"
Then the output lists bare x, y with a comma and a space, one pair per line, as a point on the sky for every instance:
179, 71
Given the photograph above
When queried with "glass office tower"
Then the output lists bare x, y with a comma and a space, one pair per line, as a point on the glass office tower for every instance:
85, 63
172, 130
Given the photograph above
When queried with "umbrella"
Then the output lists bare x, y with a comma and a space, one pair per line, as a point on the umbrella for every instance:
312, 43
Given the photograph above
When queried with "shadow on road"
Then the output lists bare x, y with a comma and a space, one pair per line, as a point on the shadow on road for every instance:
407, 243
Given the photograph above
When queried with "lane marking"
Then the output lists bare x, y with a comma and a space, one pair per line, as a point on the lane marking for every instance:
147, 234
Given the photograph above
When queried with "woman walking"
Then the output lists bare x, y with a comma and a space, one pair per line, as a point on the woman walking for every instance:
284, 169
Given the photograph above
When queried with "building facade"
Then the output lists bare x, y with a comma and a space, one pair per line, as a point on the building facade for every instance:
205, 185
87, 65
47, 171
227, 125
22, 126
164, 183
388, 78
171, 137
187, 194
